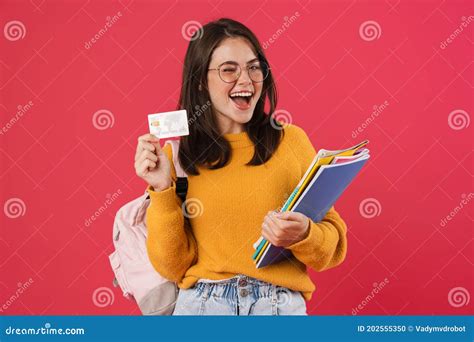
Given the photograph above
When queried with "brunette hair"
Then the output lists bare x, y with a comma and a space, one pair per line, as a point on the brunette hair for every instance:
205, 146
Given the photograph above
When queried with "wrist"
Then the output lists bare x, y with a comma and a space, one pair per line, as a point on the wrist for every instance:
306, 232
160, 187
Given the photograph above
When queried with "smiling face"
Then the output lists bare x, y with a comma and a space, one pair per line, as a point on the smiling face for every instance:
233, 103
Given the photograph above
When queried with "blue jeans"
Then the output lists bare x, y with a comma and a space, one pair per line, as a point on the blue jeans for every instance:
240, 295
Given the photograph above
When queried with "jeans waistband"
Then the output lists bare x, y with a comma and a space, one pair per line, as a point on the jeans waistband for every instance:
239, 286
235, 280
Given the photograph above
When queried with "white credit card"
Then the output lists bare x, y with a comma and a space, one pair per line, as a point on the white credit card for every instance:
169, 124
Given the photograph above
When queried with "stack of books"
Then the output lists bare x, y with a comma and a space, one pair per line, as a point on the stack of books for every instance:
324, 181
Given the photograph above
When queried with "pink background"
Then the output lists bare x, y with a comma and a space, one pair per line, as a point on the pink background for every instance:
60, 168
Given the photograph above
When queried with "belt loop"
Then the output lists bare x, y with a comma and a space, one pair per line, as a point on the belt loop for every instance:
205, 296
274, 300
207, 290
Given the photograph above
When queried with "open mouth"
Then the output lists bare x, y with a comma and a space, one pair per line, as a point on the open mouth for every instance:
241, 99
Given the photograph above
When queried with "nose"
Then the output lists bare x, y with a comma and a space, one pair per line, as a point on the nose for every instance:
244, 78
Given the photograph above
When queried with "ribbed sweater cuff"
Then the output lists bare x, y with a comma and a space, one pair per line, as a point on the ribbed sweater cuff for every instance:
165, 200
312, 242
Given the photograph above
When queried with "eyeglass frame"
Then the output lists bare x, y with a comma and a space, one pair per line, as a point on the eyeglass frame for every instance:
240, 73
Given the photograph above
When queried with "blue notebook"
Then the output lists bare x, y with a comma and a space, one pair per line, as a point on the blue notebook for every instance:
327, 185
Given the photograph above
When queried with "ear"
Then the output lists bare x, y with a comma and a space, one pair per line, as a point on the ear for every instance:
200, 87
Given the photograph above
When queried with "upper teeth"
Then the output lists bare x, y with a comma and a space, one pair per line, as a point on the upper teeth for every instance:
242, 93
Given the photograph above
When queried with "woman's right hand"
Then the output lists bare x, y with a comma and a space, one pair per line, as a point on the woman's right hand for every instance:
151, 163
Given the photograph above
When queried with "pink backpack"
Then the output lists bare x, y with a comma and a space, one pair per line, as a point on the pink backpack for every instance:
133, 271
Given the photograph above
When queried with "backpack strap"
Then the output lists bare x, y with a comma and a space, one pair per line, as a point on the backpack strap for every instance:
182, 177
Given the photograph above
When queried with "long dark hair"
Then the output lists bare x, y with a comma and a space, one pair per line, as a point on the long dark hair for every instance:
205, 146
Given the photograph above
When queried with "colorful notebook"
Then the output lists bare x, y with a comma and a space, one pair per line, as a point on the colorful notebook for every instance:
324, 181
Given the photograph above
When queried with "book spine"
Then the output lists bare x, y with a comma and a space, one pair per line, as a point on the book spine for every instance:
290, 199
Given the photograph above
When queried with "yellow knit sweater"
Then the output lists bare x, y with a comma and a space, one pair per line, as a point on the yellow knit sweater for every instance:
226, 208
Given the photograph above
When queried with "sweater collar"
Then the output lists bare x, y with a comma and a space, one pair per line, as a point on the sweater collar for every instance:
238, 140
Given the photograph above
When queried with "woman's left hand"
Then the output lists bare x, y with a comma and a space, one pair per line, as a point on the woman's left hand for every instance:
285, 228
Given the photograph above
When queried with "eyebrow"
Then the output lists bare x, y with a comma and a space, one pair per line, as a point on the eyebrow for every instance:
251, 61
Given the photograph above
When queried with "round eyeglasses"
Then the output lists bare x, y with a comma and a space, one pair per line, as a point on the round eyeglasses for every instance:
229, 72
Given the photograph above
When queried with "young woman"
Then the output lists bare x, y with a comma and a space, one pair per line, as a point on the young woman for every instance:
241, 166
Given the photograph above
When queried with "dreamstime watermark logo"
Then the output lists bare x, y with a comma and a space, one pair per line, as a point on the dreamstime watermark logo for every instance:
284, 297
14, 30
102, 297
370, 207
46, 330
465, 199
377, 110
21, 288
283, 117
376, 289
21, 110
458, 119
458, 296
103, 119
192, 30
14, 208
370, 30
287, 22
199, 110
192, 208
109, 199
109, 22
465, 21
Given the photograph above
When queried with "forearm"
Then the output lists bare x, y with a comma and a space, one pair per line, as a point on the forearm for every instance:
325, 246
170, 244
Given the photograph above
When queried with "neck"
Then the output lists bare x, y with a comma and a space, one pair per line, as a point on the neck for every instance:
228, 126
233, 130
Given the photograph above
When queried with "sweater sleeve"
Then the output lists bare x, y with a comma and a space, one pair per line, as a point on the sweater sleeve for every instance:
325, 246
170, 243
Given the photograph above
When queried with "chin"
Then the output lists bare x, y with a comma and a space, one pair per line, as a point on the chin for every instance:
242, 117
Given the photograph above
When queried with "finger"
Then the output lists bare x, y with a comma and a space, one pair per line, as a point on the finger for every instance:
146, 166
289, 227
292, 227
144, 146
147, 155
277, 235
290, 216
271, 223
281, 226
154, 140
268, 234
275, 229
148, 138
141, 169
272, 216
151, 139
